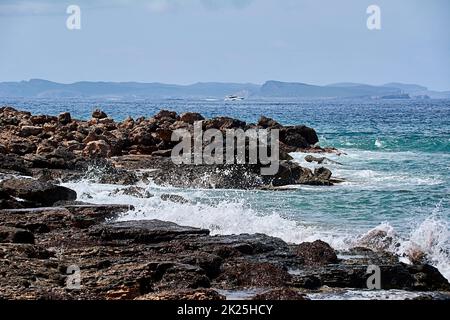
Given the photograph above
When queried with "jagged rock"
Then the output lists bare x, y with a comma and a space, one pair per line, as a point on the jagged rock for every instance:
223, 123
99, 114
97, 149
40, 193
166, 114
64, 118
13, 163
191, 117
265, 122
322, 173
27, 131
173, 198
244, 274
320, 160
316, 253
133, 191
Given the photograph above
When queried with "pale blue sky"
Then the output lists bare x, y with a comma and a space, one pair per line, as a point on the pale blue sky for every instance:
186, 41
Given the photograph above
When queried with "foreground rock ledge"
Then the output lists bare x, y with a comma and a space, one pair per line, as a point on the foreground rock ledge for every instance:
159, 260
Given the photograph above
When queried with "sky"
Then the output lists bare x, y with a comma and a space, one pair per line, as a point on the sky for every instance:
189, 41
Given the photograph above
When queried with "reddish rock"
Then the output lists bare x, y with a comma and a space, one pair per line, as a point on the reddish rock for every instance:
97, 149
191, 117
316, 253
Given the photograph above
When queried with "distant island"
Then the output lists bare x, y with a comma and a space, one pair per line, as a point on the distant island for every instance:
37, 88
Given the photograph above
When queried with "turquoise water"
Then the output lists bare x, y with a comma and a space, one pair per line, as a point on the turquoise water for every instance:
396, 167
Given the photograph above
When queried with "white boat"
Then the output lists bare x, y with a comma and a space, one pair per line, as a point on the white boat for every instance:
233, 97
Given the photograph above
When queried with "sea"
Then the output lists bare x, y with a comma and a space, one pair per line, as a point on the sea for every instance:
395, 163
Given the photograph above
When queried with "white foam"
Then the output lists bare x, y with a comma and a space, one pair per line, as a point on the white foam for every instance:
236, 216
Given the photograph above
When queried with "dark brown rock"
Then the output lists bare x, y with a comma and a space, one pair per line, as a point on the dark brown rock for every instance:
64, 118
316, 253
15, 235
41, 193
99, 114
191, 117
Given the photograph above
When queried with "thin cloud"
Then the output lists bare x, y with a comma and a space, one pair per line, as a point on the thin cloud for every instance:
45, 7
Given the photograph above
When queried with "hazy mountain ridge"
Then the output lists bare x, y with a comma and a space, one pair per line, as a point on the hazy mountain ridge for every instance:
37, 88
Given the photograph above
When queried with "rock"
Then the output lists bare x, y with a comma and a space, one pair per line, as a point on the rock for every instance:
162, 153
191, 117
184, 295
145, 231
14, 163
99, 114
290, 173
166, 114
280, 294
298, 136
27, 131
223, 123
64, 118
173, 198
97, 149
320, 160
322, 173
165, 135
244, 274
15, 235
265, 123
40, 193
316, 253
377, 239
21, 147
133, 191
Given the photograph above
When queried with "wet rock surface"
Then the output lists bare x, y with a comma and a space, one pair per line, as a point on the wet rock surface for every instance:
157, 260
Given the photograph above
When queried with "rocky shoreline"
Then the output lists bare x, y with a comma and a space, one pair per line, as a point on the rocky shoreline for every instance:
55, 247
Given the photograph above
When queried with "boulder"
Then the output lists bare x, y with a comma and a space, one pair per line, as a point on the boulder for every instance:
15, 235
191, 117
322, 173
40, 193
64, 118
99, 114
223, 123
245, 274
165, 114
265, 123
97, 149
316, 253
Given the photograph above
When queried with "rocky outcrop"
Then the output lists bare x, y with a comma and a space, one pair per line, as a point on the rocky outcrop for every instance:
316, 253
34, 144
36, 193
40, 248
155, 260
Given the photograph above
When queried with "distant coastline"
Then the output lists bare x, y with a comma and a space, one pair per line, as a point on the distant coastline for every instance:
37, 88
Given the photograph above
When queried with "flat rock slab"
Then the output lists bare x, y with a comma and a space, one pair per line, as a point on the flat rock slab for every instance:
145, 231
